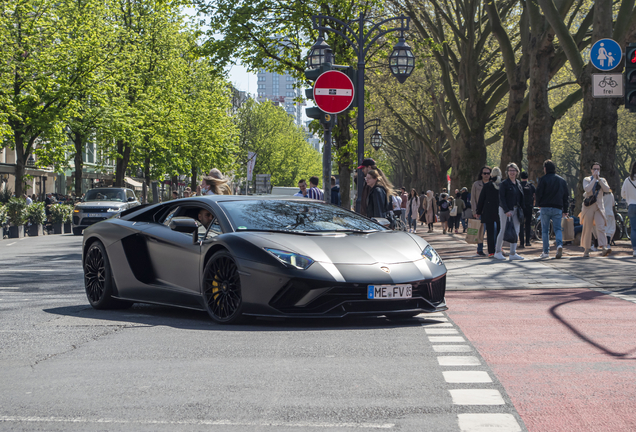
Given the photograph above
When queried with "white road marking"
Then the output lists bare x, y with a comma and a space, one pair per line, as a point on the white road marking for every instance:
439, 339
21, 419
476, 397
36, 270
458, 361
439, 331
452, 348
488, 423
440, 324
466, 377
9, 288
432, 314
11, 244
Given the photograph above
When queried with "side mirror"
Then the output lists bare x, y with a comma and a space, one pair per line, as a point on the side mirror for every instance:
184, 224
131, 199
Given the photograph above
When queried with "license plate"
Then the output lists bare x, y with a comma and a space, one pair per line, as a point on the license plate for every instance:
384, 292
94, 215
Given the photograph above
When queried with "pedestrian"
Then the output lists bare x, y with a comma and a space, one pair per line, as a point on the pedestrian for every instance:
413, 208
553, 200
28, 199
430, 209
475, 191
593, 210
510, 208
405, 198
460, 206
628, 192
529, 192
378, 199
335, 192
468, 211
444, 205
487, 208
302, 185
422, 216
610, 226
397, 205
367, 165
314, 192
175, 194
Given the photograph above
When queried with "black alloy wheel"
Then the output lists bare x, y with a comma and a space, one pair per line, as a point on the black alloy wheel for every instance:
98, 279
222, 289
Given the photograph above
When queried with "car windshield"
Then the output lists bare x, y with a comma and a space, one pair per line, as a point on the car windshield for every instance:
294, 216
105, 195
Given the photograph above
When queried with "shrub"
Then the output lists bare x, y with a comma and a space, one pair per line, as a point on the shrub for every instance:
5, 195
58, 213
35, 213
3, 215
16, 211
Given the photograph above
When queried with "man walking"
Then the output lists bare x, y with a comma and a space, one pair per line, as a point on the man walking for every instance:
528, 203
404, 197
302, 185
314, 192
552, 197
484, 177
335, 192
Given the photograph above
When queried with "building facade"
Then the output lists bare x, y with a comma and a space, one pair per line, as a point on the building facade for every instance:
282, 91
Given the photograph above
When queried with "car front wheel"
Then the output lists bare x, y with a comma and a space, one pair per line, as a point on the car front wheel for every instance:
222, 289
98, 279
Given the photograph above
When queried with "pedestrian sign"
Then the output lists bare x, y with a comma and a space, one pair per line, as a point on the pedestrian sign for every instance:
606, 54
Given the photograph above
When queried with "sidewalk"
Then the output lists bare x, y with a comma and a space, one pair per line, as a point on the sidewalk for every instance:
469, 271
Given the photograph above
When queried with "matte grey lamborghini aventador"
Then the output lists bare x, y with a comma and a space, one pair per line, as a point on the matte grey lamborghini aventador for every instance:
236, 256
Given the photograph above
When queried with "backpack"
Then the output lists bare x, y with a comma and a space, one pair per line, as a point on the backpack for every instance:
443, 206
528, 197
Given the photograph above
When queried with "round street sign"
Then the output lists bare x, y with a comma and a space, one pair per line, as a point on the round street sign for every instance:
606, 54
333, 92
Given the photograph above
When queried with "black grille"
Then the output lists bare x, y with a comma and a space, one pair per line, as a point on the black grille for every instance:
94, 209
352, 298
76, 220
90, 221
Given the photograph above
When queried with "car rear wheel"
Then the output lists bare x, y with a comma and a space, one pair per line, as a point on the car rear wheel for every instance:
222, 289
98, 279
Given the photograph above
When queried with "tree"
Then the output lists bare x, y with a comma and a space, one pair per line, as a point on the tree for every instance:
281, 147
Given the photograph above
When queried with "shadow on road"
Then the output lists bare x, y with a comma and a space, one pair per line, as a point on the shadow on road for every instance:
155, 315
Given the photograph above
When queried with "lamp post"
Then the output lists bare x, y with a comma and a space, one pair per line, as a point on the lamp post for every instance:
376, 138
401, 61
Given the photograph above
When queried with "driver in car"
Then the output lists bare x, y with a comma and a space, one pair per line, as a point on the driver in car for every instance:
205, 217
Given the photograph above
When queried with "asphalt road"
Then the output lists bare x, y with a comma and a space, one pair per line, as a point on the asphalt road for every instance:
67, 367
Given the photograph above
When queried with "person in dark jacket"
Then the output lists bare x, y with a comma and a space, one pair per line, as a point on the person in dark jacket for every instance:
335, 192
510, 200
528, 204
553, 199
488, 209
378, 200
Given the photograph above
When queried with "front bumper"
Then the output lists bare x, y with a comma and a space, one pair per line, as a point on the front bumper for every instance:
84, 219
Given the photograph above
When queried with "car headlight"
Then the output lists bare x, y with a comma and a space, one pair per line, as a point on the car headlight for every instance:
431, 254
114, 209
291, 259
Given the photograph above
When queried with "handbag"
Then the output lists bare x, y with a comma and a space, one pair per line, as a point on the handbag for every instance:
591, 199
510, 235
520, 214
453, 211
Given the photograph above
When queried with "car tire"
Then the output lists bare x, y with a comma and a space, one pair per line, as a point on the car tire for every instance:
98, 279
222, 289
77, 231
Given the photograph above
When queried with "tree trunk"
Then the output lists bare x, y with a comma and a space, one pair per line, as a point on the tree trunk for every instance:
121, 164
468, 155
193, 178
541, 120
20, 166
600, 118
79, 163
514, 130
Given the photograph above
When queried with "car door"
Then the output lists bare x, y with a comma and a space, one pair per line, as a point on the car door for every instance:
174, 256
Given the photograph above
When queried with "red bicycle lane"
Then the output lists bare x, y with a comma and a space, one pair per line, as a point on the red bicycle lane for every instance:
567, 358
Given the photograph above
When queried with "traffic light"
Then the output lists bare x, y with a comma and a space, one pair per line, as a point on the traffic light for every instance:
630, 77
312, 75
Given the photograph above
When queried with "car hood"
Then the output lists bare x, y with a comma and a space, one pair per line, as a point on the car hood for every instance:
386, 247
100, 204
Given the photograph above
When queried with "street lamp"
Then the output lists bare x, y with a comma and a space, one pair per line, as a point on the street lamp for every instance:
401, 62
376, 140
317, 54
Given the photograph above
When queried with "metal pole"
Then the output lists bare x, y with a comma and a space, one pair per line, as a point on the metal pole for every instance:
326, 163
360, 96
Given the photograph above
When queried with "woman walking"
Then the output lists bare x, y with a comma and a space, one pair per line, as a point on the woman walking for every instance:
378, 201
444, 210
593, 213
628, 192
460, 206
430, 209
488, 209
510, 205
475, 192
413, 206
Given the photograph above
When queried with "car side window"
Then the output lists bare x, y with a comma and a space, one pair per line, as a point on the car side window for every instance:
172, 213
214, 229
130, 194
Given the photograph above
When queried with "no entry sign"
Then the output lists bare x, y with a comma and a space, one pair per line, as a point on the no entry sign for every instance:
333, 92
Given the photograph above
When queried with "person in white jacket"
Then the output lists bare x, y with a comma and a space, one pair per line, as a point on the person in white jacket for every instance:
593, 215
628, 192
